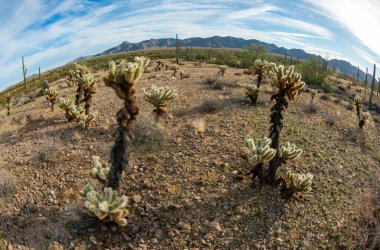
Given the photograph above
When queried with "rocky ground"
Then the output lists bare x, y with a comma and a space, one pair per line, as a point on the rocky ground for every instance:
182, 182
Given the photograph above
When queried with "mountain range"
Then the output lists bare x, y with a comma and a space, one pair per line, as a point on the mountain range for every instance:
231, 42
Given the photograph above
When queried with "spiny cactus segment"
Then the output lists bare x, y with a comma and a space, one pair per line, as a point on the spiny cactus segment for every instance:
99, 171
252, 92
362, 116
259, 151
107, 207
222, 69
181, 74
65, 104
123, 79
286, 80
298, 183
260, 68
159, 97
289, 152
88, 85
51, 95
78, 72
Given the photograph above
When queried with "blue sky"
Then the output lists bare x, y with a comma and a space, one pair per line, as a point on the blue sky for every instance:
52, 33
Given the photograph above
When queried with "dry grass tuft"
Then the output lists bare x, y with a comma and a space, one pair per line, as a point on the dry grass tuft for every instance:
199, 126
7, 183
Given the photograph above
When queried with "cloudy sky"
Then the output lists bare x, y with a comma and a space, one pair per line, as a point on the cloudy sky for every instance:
52, 33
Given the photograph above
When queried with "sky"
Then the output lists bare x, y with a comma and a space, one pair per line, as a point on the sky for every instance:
50, 33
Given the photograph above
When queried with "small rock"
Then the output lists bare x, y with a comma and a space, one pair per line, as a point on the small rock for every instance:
216, 226
136, 198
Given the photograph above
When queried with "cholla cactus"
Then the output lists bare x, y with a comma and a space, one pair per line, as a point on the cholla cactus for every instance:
175, 68
159, 97
222, 69
99, 171
252, 92
123, 79
51, 95
362, 116
88, 85
109, 207
313, 93
8, 105
289, 152
160, 65
260, 68
181, 74
65, 104
85, 120
71, 79
80, 71
298, 183
289, 84
76, 112
259, 151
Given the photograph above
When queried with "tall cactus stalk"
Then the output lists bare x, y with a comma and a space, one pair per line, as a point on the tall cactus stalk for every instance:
176, 49
372, 87
88, 84
289, 84
123, 79
24, 72
357, 75
8, 97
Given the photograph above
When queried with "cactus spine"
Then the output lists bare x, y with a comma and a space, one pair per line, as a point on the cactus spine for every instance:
123, 79
289, 84
51, 95
159, 98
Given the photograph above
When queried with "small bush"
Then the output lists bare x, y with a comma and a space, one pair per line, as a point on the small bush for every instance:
7, 183
147, 131
210, 80
330, 120
222, 84
211, 105
325, 98
349, 106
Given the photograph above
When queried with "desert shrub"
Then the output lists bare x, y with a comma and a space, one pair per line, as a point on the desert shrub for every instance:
147, 131
199, 126
48, 149
222, 84
226, 57
330, 120
313, 71
7, 183
210, 105
8, 131
250, 54
325, 97
210, 80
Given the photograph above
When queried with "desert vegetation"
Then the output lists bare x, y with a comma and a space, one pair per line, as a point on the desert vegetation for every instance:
310, 182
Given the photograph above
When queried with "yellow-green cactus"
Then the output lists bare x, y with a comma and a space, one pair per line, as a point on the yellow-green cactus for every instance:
358, 100
289, 152
86, 189
65, 104
76, 112
362, 116
252, 92
259, 151
159, 97
222, 69
287, 80
107, 207
86, 120
51, 95
181, 74
313, 93
298, 183
99, 171
88, 85
260, 68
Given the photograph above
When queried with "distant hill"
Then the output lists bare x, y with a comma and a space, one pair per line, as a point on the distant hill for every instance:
230, 42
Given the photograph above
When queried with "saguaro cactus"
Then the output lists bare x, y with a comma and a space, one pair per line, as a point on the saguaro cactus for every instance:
51, 95
159, 97
362, 116
24, 72
222, 69
123, 79
8, 105
289, 84
88, 85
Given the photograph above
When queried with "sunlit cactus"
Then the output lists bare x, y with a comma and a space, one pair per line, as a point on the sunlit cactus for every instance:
78, 72
65, 104
222, 69
259, 150
51, 95
76, 113
289, 84
160, 64
8, 97
313, 94
362, 116
260, 68
123, 79
181, 74
252, 92
107, 207
175, 68
88, 85
289, 152
71, 79
86, 120
298, 183
99, 171
159, 97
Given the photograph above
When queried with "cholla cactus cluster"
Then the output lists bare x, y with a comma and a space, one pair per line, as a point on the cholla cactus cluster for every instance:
252, 92
51, 95
289, 152
259, 151
99, 171
298, 183
222, 69
88, 85
287, 80
159, 97
75, 113
8, 97
65, 104
175, 68
123, 79
107, 207
160, 65
313, 94
362, 116
260, 68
